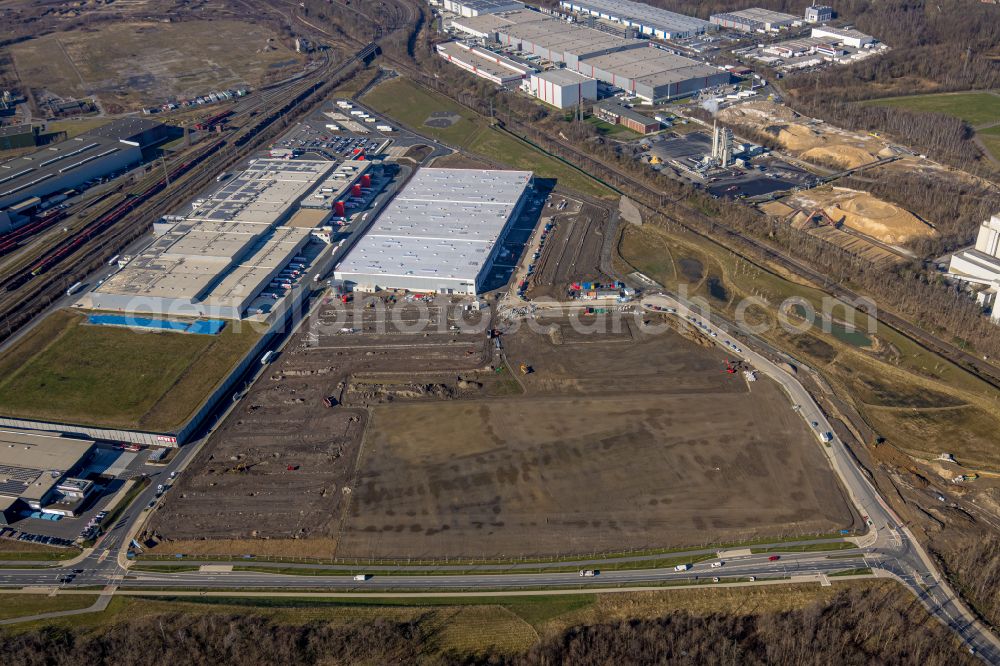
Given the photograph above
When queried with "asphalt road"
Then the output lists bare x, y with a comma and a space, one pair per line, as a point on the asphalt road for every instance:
901, 555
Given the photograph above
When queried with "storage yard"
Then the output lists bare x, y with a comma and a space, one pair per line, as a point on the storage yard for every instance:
572, 251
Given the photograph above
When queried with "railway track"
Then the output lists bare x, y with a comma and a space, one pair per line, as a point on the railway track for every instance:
31, 289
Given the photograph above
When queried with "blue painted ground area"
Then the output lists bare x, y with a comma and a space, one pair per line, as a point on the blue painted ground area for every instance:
201, 327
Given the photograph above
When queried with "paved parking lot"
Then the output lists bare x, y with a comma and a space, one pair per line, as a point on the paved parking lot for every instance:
110, 469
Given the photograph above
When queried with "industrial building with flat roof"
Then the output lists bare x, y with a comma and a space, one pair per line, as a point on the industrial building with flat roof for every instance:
659, 23
484, 64
478, 7
440, 234
631, 64
562, 88
71, 163
616, 113
846, 36
219, 254
754, 19
653, 74
35, 470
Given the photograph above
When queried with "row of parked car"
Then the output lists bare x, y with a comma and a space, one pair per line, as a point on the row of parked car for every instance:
17, 535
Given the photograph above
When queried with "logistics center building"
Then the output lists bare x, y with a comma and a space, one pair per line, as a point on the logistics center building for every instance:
653, 21
483, 63
562, 88
440, 234
631, 64
220, 254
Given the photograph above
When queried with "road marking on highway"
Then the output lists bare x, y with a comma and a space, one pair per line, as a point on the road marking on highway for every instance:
104, 555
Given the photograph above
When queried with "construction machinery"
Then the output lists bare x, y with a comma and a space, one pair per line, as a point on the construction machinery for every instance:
526, 369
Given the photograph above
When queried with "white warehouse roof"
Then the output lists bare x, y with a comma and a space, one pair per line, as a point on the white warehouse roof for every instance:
442, 226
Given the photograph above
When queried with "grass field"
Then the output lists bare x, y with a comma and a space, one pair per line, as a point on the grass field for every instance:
991, 139
130, 64
975, 108
17, 605
412, 105
907, 393
66, 370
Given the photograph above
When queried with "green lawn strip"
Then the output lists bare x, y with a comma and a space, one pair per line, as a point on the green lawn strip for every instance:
20, 605
806, 548
165, 568
975, 108
579, 557
36, 555
860, 571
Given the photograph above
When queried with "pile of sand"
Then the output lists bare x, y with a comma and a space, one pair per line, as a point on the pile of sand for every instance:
841, 155
879, 219
799, 137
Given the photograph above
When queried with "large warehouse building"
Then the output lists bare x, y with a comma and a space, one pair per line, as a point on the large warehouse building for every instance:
562, 88
219, 256
754, 19
631, 64
648, 20
484, 64
479, 7
24, 181
440, 234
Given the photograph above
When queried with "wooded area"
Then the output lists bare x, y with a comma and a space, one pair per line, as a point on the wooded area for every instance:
860, 625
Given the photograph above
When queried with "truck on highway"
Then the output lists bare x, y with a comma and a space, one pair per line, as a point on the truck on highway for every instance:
361, 577
826, 437
682, 567
74, 288
266, 358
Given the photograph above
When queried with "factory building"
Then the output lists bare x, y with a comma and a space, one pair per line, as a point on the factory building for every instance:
220, 254
754, 19
631, 64
470, 8
845, 36
562, 88
981, 265
617, 114
483, 63
818, 14
36, 471
440, 234
651, 21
